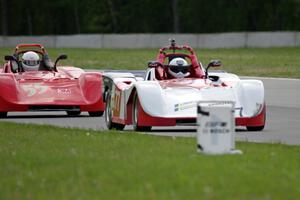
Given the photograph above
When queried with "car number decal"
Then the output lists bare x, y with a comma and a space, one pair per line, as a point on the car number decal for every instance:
117, 103
34, 89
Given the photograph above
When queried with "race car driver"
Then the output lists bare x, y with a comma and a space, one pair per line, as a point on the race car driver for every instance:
30, 61
178, 68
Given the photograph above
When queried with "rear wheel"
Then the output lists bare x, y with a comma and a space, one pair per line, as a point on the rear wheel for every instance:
255, 128
73, 113
3, 114
108, 116
96, 114
135, 116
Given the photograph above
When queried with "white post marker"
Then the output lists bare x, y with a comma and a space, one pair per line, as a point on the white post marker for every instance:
216, 127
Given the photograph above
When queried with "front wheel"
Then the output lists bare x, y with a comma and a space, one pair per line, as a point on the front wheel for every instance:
108, 116
96, 114
3, 114
135, 117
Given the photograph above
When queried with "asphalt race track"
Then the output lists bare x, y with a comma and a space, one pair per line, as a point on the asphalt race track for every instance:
283, 117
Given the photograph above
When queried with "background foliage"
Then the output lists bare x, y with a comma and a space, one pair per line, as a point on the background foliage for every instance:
33, 17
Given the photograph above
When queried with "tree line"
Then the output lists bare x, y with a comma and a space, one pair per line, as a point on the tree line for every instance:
43, 17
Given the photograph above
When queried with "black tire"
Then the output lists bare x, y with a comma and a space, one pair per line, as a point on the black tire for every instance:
255, 128
3, 114
73, 113
108, 118
96, 114
135, 117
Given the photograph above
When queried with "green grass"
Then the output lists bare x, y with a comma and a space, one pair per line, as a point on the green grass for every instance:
272, 62
45, 162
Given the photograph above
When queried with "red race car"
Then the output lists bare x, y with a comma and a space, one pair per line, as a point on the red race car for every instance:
47, 87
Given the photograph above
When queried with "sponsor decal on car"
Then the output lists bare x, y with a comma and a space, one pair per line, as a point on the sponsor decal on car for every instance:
64, 91
185, 105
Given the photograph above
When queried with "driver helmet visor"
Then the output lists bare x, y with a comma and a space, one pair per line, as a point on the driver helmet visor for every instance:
177, 69
31, 62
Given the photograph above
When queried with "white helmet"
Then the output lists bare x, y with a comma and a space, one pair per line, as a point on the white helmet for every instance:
30, 61
178, 68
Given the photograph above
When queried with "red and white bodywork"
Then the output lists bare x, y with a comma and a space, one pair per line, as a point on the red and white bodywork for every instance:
156, 101
65, 89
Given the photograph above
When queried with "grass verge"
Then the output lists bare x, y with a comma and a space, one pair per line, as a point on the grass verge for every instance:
46, 162
270, 62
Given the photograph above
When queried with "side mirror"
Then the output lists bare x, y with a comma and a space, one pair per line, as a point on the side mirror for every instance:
9, 58
61, 57
154, 64
13, 58
213, 63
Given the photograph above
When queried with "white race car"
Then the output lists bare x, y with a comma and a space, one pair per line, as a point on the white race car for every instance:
160, 99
